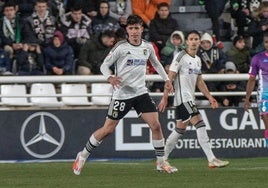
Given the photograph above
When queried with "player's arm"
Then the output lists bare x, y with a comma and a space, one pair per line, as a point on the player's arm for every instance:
164, 100
250, 87
109, 60
204, 89
160, 70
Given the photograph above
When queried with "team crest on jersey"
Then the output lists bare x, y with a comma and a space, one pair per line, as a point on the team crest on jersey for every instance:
145, 51
115, 114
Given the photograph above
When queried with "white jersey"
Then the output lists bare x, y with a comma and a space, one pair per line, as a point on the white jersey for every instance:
130, 65
187, 68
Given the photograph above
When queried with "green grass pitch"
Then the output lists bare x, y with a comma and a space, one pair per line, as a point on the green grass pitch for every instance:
193, 173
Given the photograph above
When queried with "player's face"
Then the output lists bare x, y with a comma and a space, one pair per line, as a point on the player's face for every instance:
193, 41
77, 15
10, 12
134, 31
265, 43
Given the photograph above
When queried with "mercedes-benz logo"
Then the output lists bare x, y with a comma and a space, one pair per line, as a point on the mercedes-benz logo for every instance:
42, 135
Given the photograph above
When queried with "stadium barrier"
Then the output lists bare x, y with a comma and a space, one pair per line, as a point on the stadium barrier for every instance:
101, 79
58, 134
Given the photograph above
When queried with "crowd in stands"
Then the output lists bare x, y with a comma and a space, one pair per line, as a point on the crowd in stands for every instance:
63, 37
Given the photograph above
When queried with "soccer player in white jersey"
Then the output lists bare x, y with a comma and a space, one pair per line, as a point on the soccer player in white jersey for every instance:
185, 71
129, 58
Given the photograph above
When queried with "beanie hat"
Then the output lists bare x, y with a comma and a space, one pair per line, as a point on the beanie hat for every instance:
207, 37
59, 35
237, 38
229, 65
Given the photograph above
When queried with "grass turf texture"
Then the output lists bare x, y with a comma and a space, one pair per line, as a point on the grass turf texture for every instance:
193, 173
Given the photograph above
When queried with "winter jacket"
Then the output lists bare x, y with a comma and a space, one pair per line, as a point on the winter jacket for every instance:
61, 57
8, 40
146, 10
169, 47
92, 54
28, 61
4, 61
103, 23
72, 29
161, 29
241, 58
32, 32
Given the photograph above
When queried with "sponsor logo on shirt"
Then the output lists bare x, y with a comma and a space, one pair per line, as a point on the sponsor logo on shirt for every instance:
193, 71
265, 61
135, 62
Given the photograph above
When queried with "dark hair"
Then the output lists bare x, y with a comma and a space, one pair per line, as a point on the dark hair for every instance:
265, 34
104, 1
108, 33
163, 4
192, 32
134, 19
9, 4
76, 7
41, 1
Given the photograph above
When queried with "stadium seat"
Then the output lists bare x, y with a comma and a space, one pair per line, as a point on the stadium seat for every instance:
44, 95
101, 88
14, 90
74, 94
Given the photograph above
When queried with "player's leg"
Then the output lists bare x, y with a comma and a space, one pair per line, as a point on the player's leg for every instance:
145, 107
93, 142
158, 140
173, 138
183, 115
203, 140
117, 110
265, 120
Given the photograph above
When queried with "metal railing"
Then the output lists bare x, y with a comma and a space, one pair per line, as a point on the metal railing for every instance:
101, 79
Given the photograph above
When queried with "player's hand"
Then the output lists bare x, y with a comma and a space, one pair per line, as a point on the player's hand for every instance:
169, 86
213, 103
162, 105
115, 81
246, 105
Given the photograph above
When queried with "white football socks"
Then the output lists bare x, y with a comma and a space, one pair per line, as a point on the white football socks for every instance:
203, 140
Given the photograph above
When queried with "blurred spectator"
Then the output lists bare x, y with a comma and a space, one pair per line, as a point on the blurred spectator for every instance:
230, 68
58, 56
146, 9
214, 10
93, 53
103, 21
57, 8
162, 25
89, 7
25, 7
10, 30
212, 59
174, 45
30, 60
40, 26
239, 54
257, 27
76, 27
4, 62
241, 12
120, 10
